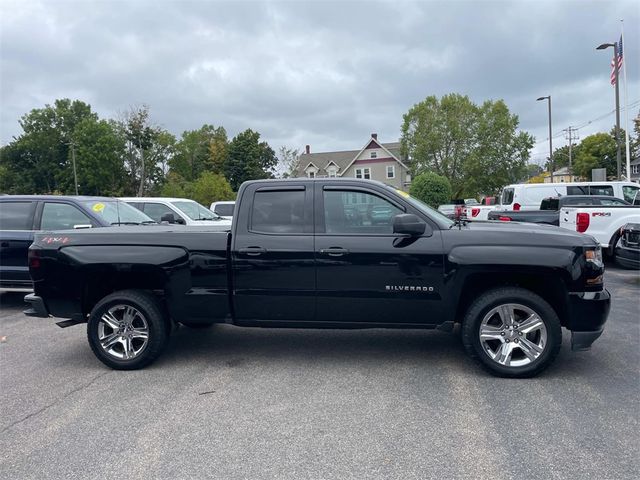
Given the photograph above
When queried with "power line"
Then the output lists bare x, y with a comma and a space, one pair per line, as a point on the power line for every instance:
589, 122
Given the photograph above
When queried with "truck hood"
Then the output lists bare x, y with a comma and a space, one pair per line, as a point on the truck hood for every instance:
519, 234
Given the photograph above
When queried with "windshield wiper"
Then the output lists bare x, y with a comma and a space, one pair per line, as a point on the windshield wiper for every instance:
203, 218
148, 222
125, 223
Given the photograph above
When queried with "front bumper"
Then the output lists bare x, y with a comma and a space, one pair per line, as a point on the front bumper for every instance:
587, 314
38, 308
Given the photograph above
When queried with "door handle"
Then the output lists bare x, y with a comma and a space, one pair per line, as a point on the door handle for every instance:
334, 251
253, 251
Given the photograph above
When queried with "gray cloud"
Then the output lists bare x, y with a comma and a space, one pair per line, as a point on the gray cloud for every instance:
322, 73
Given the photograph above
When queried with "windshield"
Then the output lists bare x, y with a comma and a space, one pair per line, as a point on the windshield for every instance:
423, 207
195, 211
117, 212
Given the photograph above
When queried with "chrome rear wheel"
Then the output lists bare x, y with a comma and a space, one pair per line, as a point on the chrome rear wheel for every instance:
123, 332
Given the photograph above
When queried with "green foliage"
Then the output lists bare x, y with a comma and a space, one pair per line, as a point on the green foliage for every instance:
210, 187
431, 188
597, 151
98, 152
288, 159
248, 159
200, 150
477, 147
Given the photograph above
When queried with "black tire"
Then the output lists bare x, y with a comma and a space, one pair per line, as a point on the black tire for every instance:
511, 295
157, 326
610, 252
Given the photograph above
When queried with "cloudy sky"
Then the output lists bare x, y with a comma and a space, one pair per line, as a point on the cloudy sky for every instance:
321, 73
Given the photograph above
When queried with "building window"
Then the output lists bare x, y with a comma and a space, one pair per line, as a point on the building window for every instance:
391, 171
374, 154
311, 174
363, 173
634, 169
332, 173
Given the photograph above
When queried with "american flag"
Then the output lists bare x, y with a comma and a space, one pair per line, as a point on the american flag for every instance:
618, 57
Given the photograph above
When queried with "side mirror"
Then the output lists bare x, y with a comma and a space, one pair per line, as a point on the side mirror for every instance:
410, 224
168, 217
180, 221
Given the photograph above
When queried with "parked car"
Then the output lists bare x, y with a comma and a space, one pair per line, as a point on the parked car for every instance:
628, 247
293, 259
527, 196
223, 209
180, 211
22, 215
549, 212
602, 223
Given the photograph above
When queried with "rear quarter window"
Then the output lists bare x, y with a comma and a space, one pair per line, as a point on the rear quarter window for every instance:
16, 215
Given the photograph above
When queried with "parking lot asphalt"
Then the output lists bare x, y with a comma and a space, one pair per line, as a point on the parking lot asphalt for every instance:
234, 403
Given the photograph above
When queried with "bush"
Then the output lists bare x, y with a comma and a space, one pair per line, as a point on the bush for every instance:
431, 188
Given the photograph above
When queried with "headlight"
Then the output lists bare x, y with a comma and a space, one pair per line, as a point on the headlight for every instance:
594, 256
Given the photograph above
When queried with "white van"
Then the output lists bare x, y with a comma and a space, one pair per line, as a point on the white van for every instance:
528, 196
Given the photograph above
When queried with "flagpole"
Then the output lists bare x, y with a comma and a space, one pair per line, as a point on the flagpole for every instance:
626, 110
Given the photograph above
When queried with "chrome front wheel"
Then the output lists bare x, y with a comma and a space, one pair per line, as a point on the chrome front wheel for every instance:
513, 335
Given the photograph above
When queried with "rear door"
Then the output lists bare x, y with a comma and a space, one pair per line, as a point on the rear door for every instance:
366, 274
273, 266
16, 234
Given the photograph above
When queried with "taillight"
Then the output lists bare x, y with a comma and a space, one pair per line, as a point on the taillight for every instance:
475, 212
504, 219
516, 206
582, 222
34, 259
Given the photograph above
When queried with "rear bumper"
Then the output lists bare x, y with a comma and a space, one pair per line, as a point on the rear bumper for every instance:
37, 306
628, 257
588, 312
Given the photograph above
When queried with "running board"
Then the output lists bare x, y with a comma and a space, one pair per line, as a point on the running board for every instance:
70, 323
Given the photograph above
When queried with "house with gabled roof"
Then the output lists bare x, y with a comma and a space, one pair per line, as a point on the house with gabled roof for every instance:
375, 161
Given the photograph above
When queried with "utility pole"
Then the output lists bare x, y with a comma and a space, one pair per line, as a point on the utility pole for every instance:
551, 166
571, 135
73, 161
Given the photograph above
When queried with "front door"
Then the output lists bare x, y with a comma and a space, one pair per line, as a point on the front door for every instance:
273, 267
366, 273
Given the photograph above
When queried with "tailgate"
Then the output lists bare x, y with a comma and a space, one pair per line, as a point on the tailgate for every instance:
568, 218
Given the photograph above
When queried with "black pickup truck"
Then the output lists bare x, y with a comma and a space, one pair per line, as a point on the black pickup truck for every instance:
306, 253
549, 212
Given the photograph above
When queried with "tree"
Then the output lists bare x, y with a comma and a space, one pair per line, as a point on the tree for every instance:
210, 187
39, 160
476, 147
200, 150
431, 188
288, 159
248, 159
598, 151
98, 150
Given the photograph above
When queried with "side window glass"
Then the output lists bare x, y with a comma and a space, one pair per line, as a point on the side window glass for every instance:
357, 213
278, 212
629, 193
577, 190
62, 216
16, 215
601, 190
157, 210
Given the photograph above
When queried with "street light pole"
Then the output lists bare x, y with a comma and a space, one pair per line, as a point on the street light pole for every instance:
616, 72
548, 97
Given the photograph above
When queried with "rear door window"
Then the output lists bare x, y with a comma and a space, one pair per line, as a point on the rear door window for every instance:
577, 190
62, 216
278, 211
16, 215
